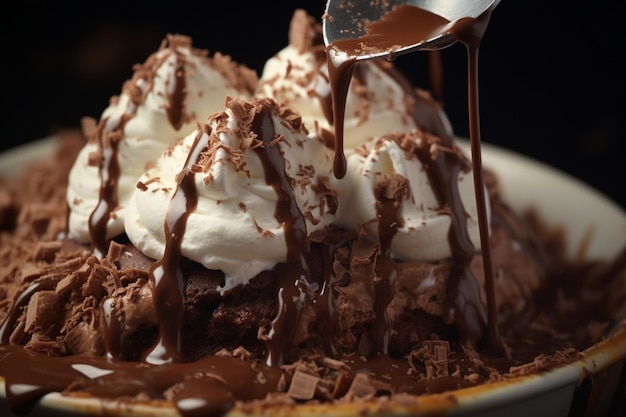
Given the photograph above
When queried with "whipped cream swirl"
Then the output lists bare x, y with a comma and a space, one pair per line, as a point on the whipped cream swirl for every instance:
400, 168
234, 226
162, 103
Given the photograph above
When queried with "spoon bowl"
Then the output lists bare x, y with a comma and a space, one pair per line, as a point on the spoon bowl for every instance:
349, 21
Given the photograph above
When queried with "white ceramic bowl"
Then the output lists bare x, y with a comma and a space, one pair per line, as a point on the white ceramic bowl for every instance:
591, 382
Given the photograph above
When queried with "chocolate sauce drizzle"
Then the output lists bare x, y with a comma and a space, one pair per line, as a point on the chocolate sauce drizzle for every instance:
111, 131
166, 274
112, 329
388, 207
294, 279
109, 171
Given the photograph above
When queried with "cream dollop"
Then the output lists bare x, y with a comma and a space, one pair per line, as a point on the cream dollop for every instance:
235, 227
162, 103
395, 168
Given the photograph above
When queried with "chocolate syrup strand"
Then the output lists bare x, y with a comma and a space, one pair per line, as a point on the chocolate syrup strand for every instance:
166, 274
389, 219
109, 171
293, 277
108, 143
112, 329
324, 308
463, 292
340, 77
178, 97
435, 72
470, 33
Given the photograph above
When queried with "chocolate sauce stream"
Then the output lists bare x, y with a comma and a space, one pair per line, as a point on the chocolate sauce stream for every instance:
175, 110
426, 112
470, 32
293, 276
109, 171
435, 72
166, 273
340, 76
108, 143
406, 25
112, 329
388, 205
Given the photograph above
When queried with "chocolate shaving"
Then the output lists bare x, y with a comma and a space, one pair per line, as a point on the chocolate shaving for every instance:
302, 386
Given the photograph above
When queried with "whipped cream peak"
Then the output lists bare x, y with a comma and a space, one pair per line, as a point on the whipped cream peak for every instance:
168, 94
261, 185
398, 199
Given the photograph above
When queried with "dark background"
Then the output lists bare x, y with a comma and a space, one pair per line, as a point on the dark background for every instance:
551, 72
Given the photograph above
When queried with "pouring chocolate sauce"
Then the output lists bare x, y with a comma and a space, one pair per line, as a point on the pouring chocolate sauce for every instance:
403, 28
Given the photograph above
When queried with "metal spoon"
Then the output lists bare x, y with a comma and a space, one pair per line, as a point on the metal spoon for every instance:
348, 20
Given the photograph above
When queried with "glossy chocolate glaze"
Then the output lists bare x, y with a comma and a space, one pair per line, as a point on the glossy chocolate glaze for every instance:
166, 273
295, 280
109, 170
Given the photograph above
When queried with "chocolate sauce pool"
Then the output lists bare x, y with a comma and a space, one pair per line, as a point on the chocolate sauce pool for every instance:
211, 386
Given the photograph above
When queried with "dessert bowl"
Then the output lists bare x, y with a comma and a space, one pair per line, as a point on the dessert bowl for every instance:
594, 227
